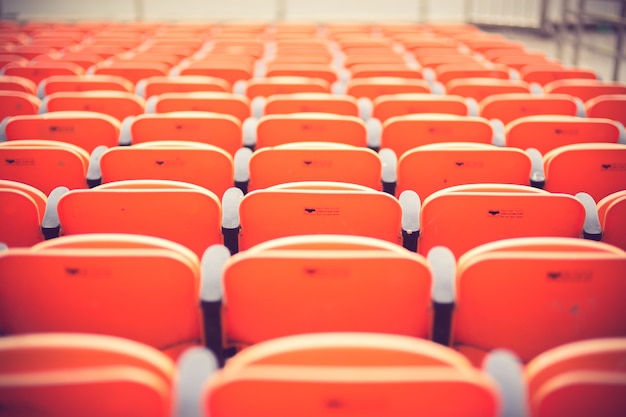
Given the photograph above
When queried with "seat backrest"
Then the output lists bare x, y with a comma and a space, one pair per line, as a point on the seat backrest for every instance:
430, 168
21, 209
585, 89
598, 169
268, 86
85, 129
610, 106
221, 130
480, 88
314, 161
311, 102
278, 129
132, 70
372, 87
403, 133
543, 74
17, 83
158, 84
318, 208
207, 101
449, 72
230, 70
612, 216
184, 213
550, 290
44, 164
407, 379
66, 83
14, 103
325, 72
38, 70
118, 289
387, 106
547, 132
61, 374
197, 163
511, 106
118, 104
465, 216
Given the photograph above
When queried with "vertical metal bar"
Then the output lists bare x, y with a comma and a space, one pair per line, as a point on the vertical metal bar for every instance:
619, 43
562, 32
469, 6
579, 31
543, 17
281, 10
422, 10
139, 10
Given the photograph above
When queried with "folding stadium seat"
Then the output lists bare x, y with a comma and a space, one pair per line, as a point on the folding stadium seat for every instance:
103, 50
578, 379
598, 169
184, 213
196, 163
448, 72
511, 106
319, 207
480, 88
14, 103
356, 60
156, 85
7, 58
401, 70
308, 102
373, 87
610, 106
465, 216
390, 105
278, 129
136, 287
311, 161
44, 164
518, 61
612, 217
547, 132
286, 56
326, 277
67, 83
132, 70
85, 129
543, 74
33, 51
17, 83
217, 129
284, 377
118, 104
585, 89
37, 70
530, 295
22, 210
325, 72
231, 70
205, 101
402, 133
268, 86
430, 168
482, 45
433, 61
61, 374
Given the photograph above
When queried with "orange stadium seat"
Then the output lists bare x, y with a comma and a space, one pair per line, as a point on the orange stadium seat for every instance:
118, 104
389, 105
511, 106
22, 211
157, 85
585, 89
205, 101
610, 106
17, 83
67, 83
15, 103
612, 217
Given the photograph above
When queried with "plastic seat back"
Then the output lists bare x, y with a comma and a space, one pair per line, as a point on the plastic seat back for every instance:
118, 104
15, 103
508, 107
311, 102
21, 208
184, 213
551, 291
372, 87
610, 106
465, 216
597, 169
480, 88
387, 106
612, 216
207, 101
265, 87
585, 89
117, 287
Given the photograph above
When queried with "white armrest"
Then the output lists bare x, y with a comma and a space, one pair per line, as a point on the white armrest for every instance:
505, 368
212, 264
194, 367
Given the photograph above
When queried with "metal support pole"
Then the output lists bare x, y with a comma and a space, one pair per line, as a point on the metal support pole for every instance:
139, 10
422, 8
281, 10
579, 31
619, 43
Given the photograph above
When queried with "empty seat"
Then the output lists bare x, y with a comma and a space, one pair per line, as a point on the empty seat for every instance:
44, 164
156, 85
85, 129
22, 211
322, 374
217, 129
197, 163
114, 280
325, 72
597, 169
318, 207
612, 216
311, 102
314, 161
547, 132
430, 168
266, 87
610, 106
229, 70
389, 105
132, 70
372, 87
571, 287
543, 74
578, 379
17, 83
118, 104
585, 89
480, 88
15, 103
511, 106
448, 72
206, 101
57, 83
181, 212
76, 374
278, 129
465, 216
38, 70
402, 133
